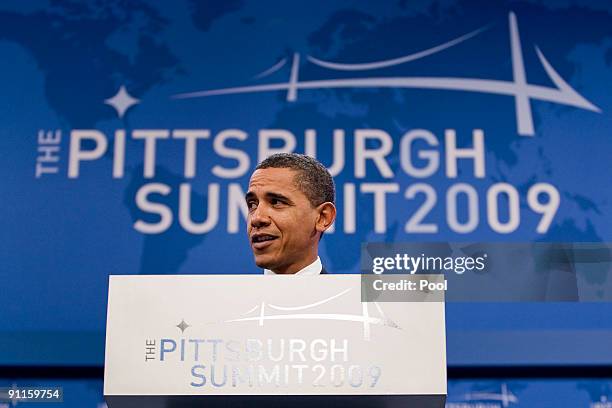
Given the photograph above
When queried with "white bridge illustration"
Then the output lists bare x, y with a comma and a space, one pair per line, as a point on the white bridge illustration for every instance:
262, 313
519, 88
505, 396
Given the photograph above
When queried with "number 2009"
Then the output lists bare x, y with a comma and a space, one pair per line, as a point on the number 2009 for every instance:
338, 376
547, 207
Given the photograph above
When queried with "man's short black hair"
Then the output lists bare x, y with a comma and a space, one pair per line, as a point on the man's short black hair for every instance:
312, 179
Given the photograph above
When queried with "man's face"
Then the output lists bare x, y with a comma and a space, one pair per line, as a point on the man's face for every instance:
281, 221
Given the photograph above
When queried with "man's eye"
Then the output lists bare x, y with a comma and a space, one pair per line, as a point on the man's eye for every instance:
276, 201
251, 205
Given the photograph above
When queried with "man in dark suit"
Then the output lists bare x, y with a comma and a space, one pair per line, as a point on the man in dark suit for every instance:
291, 204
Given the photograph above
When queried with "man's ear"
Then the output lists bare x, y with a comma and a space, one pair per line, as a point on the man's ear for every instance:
327, 215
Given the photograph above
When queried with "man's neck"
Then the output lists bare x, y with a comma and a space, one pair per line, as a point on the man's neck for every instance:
313, 268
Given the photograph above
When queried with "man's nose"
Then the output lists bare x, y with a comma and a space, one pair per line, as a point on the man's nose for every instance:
260, 216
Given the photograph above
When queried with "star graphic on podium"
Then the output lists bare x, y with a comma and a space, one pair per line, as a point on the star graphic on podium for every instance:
122, 101
183, 326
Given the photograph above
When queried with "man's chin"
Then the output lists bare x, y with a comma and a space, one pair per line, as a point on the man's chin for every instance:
264, 262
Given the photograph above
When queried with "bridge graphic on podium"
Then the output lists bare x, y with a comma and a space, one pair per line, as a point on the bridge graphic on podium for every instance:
267, 311
523, 92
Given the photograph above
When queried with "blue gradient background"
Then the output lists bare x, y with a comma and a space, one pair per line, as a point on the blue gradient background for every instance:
61, 238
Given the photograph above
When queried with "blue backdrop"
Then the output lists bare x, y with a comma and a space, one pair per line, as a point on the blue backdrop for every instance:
130, 130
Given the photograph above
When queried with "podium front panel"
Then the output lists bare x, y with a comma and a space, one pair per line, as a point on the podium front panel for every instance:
173, 340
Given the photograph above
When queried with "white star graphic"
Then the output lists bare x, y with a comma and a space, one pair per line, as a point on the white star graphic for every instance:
122, 101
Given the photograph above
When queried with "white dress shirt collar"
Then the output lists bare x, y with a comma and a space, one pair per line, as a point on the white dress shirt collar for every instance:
312, 269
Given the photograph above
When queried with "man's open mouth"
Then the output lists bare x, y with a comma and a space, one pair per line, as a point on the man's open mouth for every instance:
262, 240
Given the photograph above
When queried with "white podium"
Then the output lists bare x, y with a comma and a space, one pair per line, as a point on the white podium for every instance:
246, 340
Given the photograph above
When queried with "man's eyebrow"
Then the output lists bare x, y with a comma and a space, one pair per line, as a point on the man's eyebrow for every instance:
278, 196
269, 195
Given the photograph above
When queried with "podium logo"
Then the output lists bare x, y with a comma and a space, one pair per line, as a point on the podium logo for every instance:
518, 88
267, 311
